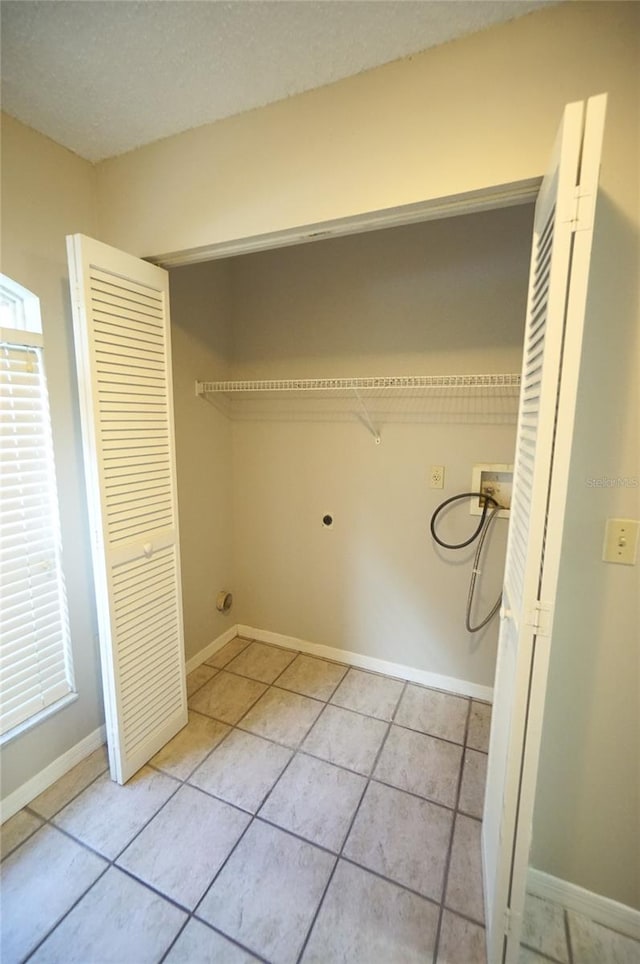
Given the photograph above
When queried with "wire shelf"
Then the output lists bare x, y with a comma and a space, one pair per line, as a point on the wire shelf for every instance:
372, 400
360, 384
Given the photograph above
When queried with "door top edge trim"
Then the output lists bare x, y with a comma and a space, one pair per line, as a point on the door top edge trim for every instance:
494, 197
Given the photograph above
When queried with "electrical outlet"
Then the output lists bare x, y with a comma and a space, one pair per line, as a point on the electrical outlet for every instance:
436, 478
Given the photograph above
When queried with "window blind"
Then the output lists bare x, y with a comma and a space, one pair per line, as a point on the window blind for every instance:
35, 661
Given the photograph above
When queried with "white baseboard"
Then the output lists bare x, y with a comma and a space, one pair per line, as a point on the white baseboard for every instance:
448, 683
211, 648
43, 780
602, 910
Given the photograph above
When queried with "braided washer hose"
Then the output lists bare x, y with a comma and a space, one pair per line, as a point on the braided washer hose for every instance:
484, 525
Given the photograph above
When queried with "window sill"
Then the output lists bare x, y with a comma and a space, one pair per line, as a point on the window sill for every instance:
37, 718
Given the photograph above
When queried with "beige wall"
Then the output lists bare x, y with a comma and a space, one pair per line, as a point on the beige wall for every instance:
477, 112
435, 298
47, 192
201, 349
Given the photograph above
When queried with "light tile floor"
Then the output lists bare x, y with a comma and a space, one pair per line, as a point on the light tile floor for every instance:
553, 935
309, 812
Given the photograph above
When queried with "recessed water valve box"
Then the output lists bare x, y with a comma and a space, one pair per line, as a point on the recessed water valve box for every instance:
496, 480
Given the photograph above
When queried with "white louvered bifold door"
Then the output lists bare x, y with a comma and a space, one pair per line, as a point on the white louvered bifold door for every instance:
562, 237
123, 353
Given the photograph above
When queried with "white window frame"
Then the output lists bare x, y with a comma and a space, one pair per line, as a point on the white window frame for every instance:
21, 329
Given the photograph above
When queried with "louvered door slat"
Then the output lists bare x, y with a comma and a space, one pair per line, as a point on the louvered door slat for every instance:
139, 733
116, 333
125, 285
149, 405
146, 489
125, 372
111, 317
122, 336
117, 357
113, 311
133, 657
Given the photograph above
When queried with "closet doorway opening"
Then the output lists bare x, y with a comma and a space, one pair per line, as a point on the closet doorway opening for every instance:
433, 311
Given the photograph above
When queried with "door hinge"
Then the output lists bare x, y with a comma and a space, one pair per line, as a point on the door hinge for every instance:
510, 920
539, 618
582, 209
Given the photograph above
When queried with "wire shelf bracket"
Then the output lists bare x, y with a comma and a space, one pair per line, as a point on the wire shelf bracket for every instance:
366, 418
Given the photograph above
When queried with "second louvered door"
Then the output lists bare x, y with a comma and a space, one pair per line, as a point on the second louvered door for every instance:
123, 355
562, 237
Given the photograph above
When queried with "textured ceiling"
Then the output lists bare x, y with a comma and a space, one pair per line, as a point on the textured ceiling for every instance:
104, 76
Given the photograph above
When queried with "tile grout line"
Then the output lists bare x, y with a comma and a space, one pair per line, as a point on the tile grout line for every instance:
180, 782
185, 780
348, 709
445, 881
192, 913
28, 837
337, 706
175, 939
220, 933
222, 649
253, 816
295, 752
389, 880
314, 756
567, 934
64, 916
193, 693
266, 796
48, 822
300, 749
111, 861
70, 800
236, 725
369, 778
317, 910
351, 824
540, 954
305, 752
293, 653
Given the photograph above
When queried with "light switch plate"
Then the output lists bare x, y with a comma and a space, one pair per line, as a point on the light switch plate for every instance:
621, 541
